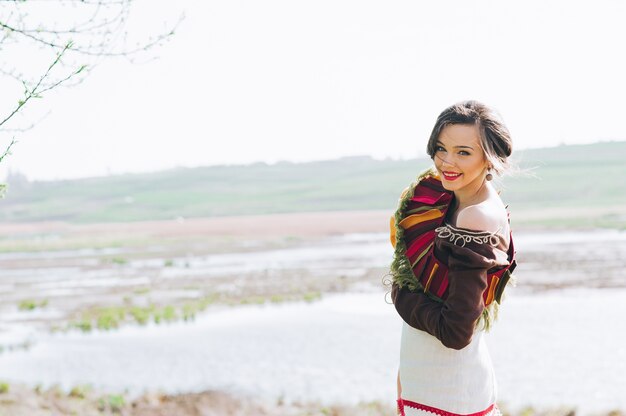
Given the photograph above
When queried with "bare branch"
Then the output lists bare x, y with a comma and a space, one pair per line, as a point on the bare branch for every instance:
37, 90
8, 149
76, 44
114, 25
28, 127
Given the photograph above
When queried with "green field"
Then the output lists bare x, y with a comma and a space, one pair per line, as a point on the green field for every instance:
574, 185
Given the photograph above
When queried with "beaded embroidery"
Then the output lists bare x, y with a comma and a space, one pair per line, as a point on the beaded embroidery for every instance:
456, 235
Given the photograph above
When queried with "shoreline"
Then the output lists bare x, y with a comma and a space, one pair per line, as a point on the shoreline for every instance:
22, 400
102, 274
305, 224
279, 407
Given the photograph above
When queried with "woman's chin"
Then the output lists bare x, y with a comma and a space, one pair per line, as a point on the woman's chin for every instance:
450, 186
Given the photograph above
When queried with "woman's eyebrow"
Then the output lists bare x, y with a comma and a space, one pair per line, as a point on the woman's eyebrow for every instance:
458, 147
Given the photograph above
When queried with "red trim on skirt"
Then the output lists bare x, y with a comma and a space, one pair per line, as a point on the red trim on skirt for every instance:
402, 403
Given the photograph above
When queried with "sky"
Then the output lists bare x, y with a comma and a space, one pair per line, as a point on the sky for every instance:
247, 81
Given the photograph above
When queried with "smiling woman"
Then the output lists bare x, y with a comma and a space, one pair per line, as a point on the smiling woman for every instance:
459, 158
468, 142
453, 258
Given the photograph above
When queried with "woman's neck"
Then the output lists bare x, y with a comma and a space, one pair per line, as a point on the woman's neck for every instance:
472, 194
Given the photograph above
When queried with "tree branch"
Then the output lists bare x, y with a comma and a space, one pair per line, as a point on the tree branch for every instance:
36, 92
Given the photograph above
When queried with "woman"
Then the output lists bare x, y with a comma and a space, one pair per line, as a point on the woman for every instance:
453, 257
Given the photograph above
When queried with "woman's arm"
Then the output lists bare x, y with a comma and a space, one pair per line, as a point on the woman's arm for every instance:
453, 321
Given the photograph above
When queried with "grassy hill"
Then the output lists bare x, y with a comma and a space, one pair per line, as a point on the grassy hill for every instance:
563, 186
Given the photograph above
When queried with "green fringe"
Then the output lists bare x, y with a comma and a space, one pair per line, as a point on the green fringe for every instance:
490, 314
488, 317
401, 271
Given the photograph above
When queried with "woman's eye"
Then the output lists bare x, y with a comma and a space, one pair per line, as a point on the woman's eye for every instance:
464, 153
439, 149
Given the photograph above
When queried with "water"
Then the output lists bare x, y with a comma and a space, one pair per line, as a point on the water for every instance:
547, 259
565, 348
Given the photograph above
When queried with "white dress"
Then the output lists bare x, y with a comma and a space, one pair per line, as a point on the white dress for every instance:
434, 377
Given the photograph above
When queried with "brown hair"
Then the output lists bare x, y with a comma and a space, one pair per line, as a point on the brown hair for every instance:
495, 138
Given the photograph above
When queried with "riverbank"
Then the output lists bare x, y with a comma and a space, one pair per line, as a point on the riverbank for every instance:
91, 282
84, 401
64, 277
315, 352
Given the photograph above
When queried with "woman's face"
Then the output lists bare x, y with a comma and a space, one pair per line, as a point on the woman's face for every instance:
459, 158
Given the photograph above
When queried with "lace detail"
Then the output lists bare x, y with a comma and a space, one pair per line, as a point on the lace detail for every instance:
460, 237
492, 410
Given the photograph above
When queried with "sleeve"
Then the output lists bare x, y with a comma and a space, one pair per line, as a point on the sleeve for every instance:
452, 321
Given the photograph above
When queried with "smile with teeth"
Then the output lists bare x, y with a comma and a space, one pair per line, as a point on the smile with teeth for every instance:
451, 175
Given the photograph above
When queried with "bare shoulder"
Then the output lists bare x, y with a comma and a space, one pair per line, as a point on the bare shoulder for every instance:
489, 215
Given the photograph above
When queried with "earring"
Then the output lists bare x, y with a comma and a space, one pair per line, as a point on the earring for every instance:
489, 176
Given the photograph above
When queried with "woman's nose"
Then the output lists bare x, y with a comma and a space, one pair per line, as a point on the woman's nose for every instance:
444, 161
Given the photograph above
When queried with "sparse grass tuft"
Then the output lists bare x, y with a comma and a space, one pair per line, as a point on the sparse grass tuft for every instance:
109, 318
141, 315
30, 304
116, 402
79, 392
311, 296
84, 325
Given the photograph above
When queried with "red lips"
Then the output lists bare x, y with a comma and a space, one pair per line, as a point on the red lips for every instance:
451, 176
